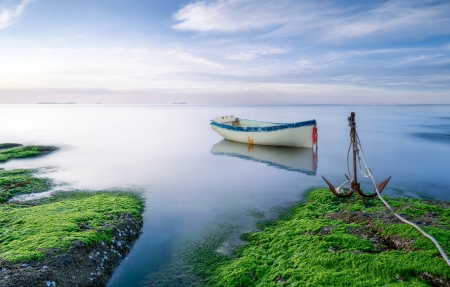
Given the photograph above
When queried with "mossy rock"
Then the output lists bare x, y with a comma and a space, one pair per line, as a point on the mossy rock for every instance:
9, 145
27, 231
331, 241
21, 181
24, 152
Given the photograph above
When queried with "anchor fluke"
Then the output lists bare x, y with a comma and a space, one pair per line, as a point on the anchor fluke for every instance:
336, 192
382, 184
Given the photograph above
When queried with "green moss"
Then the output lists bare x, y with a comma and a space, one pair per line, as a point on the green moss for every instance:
27, 231
295, 250
418, 205
24, 152
9, 145
404, 230
21, 181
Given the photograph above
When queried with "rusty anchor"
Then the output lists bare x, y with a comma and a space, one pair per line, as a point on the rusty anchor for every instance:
354, 185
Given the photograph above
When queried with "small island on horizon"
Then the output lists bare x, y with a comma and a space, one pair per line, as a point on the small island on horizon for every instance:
55, 103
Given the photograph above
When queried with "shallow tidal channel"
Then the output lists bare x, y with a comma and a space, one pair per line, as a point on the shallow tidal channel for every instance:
195, 184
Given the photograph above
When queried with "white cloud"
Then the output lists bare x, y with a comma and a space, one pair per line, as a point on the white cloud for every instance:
320, 21
305, 63
253, 53
229, 15
395, 18
186, 57
146, 67
40, 64
420, 58
10, 16
106, 67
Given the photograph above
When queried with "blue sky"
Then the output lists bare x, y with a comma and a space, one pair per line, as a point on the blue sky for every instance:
225, 51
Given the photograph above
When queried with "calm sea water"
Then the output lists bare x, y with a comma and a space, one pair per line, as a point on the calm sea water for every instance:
193, 181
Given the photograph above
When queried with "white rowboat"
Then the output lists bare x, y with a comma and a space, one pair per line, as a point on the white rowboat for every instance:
300, 134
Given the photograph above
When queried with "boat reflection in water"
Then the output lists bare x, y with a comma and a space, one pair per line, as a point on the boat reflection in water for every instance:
302, 160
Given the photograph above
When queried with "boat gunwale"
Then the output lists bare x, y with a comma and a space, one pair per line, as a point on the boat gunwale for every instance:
276, 127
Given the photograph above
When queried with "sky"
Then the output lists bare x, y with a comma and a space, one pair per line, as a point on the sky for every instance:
225, 51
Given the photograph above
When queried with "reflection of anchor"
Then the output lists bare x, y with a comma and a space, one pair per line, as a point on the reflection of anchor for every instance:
250, 147
354, 185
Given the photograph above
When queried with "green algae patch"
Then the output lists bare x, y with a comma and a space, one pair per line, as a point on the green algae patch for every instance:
331, 241
16, 152
22, 181
9, 145
28, 231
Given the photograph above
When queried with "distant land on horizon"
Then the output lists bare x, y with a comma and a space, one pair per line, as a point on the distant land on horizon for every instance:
55, 103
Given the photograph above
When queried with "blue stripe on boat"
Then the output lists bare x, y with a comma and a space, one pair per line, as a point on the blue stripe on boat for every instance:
264, 129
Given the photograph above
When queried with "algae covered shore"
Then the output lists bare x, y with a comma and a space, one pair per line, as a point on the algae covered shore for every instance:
330, 241
73, 238
22, 181
12, 150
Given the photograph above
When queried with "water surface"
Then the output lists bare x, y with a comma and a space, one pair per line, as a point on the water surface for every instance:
192, 181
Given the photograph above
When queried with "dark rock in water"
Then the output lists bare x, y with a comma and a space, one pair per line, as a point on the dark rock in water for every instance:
81, 265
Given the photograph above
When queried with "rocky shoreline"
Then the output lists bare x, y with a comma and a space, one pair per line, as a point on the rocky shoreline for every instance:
80, 265
368, 229
71, 239
331, 241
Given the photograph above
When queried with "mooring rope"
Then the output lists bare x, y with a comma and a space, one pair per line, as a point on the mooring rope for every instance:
369, 174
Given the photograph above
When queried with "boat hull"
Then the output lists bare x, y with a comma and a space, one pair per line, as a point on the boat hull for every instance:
301, 134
